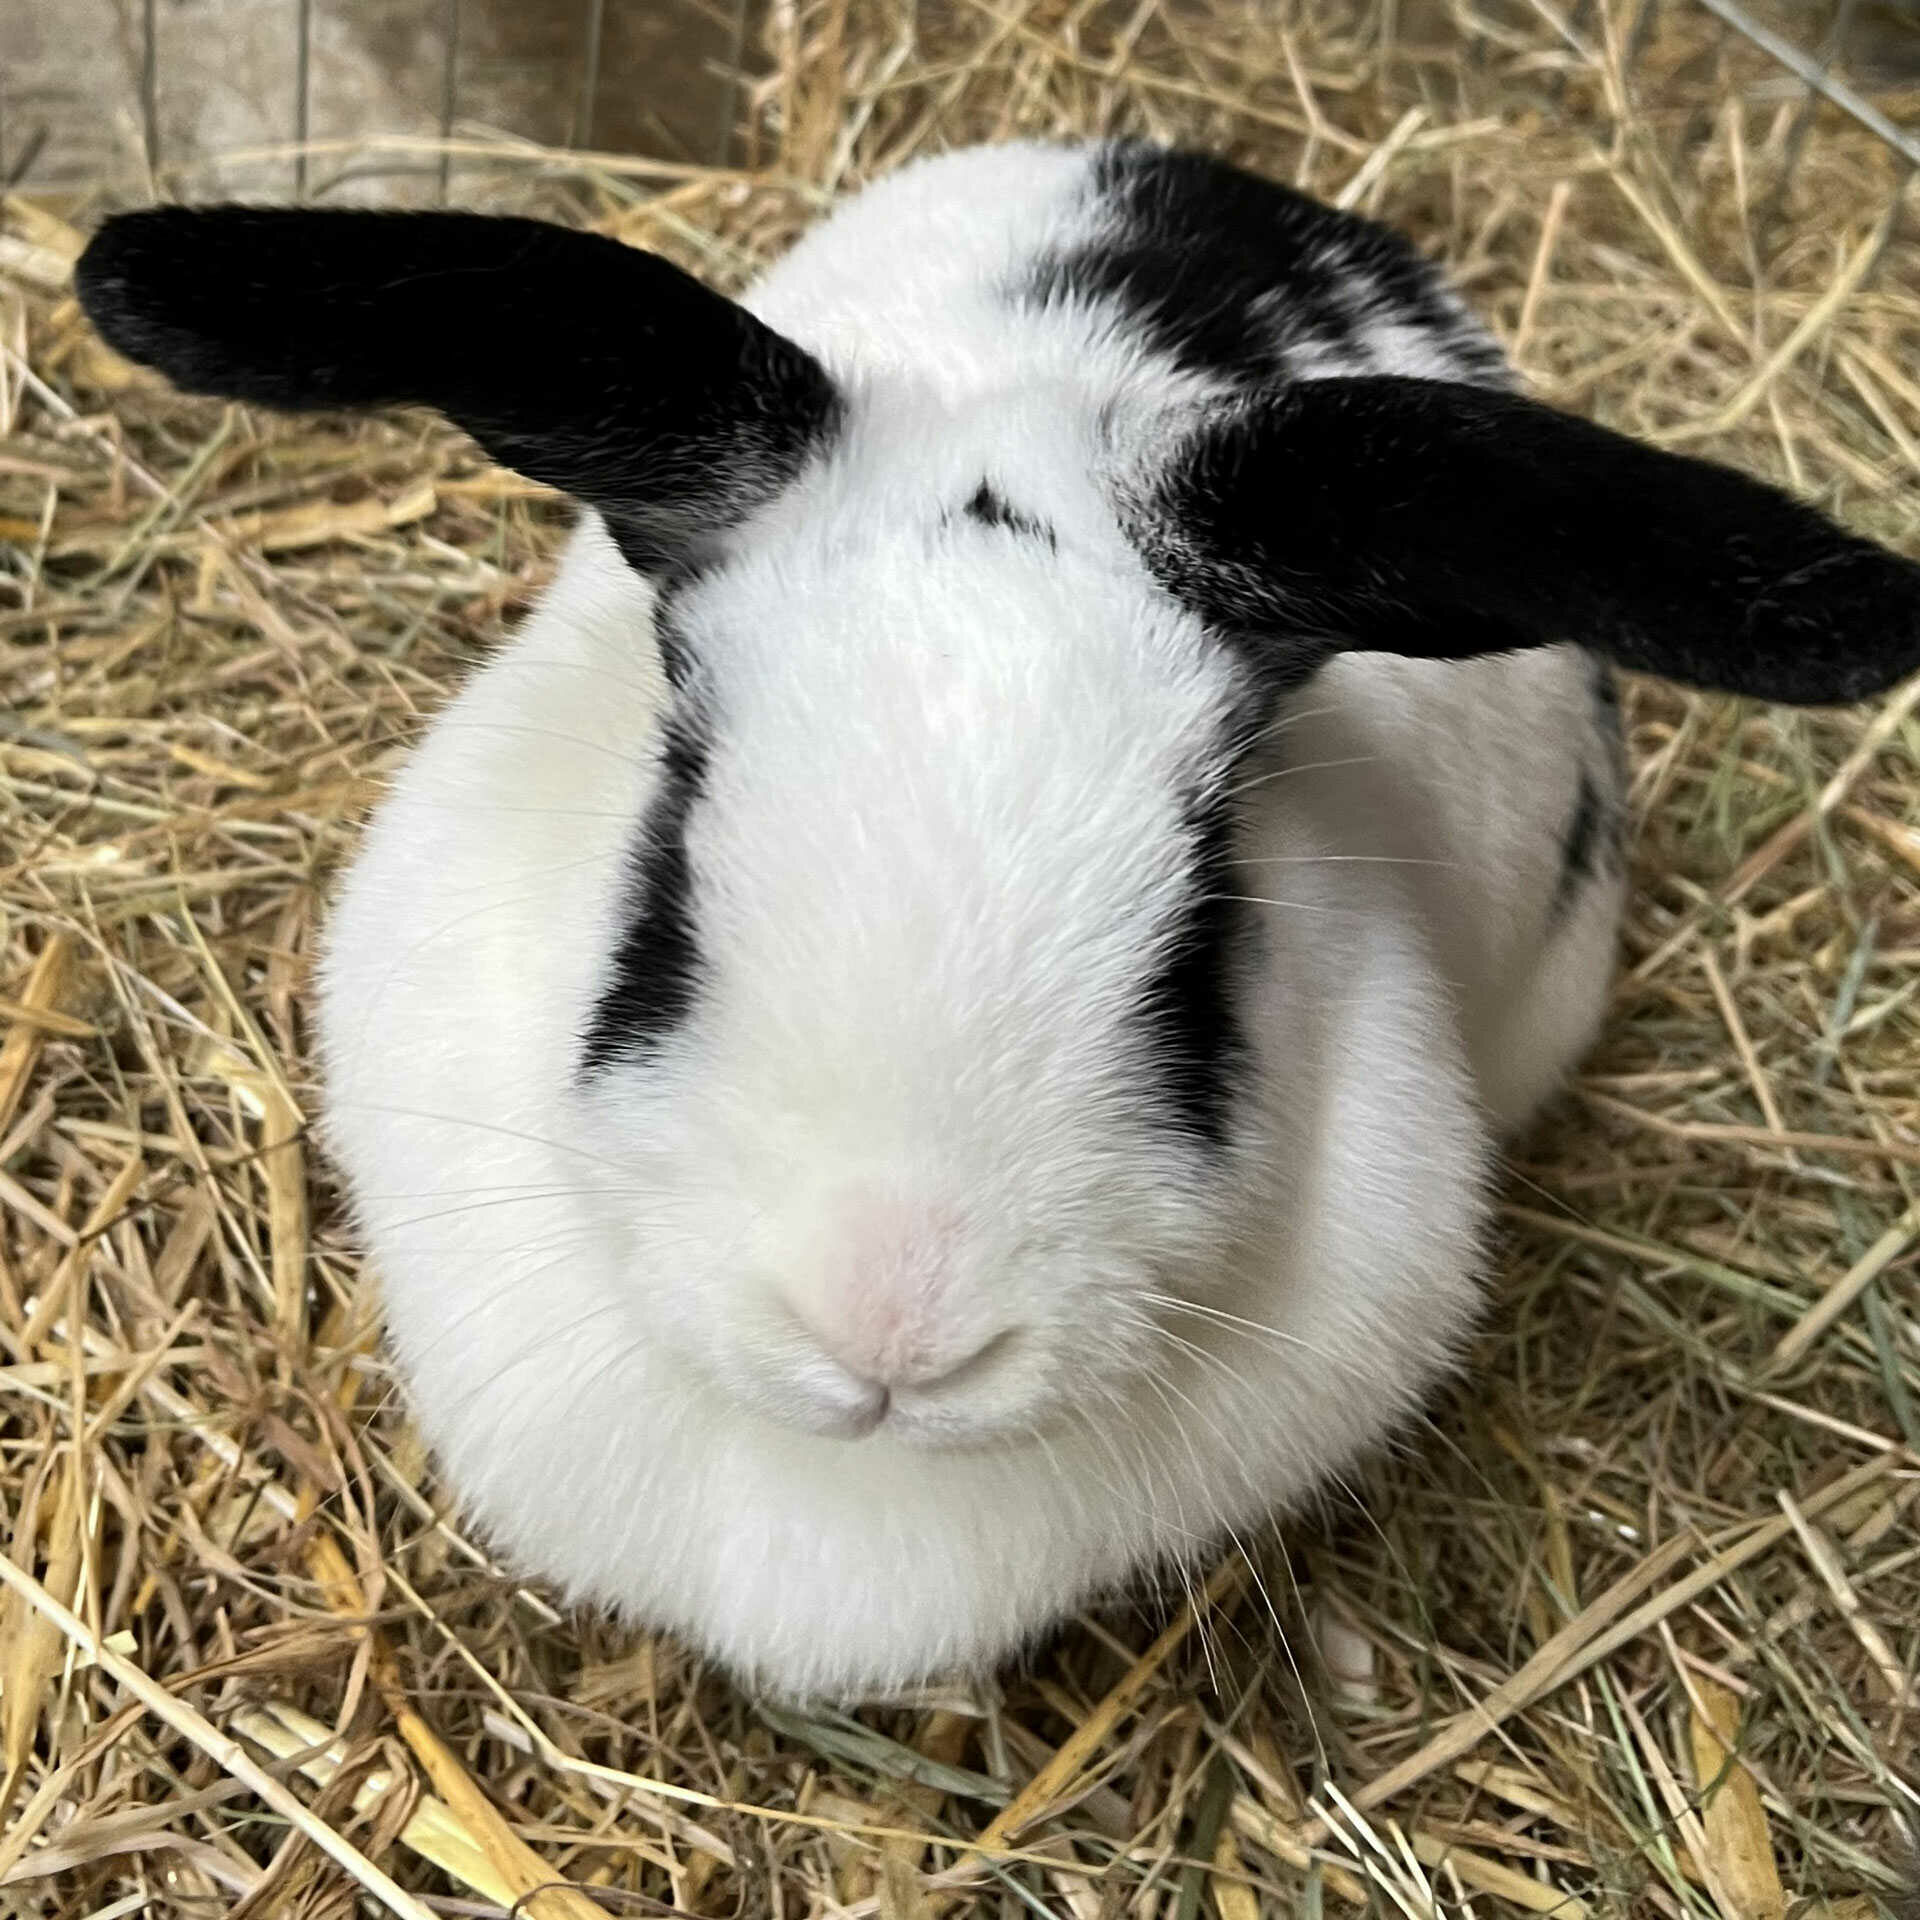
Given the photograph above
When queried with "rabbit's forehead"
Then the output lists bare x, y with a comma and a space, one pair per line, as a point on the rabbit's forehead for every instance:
1001, 614
945, 811
909, 455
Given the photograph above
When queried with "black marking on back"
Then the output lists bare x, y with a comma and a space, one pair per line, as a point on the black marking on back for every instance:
656, 966
1606, 702
1187, 1004
1230, 275
1580, 844
990, 509
1593, 842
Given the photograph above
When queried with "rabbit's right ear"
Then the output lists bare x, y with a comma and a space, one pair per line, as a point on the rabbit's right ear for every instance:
1440, 520
579, 362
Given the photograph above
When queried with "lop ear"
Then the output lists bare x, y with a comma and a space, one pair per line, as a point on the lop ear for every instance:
1441, 520
582, 363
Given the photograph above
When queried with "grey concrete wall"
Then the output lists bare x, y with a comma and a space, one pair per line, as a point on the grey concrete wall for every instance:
227, 83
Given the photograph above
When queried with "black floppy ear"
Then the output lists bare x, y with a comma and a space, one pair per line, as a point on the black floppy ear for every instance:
582, 363
1441, 520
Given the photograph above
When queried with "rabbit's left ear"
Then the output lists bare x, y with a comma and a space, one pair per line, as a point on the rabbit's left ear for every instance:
1442, 520
591, 366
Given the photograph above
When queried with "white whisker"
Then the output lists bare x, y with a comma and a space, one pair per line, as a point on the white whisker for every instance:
1305, 766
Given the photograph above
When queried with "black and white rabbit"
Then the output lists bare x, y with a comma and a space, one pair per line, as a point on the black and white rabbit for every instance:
931, 1034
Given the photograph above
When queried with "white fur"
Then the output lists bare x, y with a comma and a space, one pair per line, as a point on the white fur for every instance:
898, 1132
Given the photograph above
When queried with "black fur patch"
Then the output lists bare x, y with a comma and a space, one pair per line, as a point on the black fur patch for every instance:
1232, 276
1193, 1029
1606, 702
1592, 843
592, 366
1443, 520
670, 637
656, 966
1581, 845
988, 509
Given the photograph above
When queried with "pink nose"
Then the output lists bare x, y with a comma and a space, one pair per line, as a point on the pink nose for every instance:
885, 1300
908, 1369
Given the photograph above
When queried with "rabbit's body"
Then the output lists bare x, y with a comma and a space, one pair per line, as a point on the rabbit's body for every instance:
1429, 815
1435, 950
981, 1077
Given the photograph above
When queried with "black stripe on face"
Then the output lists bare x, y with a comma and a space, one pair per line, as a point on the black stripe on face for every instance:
657, 965
1194, 1037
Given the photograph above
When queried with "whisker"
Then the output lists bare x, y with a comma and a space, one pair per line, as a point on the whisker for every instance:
552, 1338
1299, 1678
1305, 766
549, 663
448, 724
1277, 1336
544, 813
479, 1126
1292, 718
400, 960
1293, 906
1342, 859
521, 1199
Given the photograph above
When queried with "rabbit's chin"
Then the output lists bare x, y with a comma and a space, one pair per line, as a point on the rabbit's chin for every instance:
815, 1566
820, 1567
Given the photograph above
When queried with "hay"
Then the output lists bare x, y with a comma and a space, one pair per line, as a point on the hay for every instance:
1631, 1626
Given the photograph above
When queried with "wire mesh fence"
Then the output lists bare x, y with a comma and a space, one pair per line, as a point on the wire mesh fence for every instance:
352, 98
397, 99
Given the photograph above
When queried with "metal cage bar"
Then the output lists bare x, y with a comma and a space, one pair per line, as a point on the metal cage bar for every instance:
449, 94
1813, 72
302, 91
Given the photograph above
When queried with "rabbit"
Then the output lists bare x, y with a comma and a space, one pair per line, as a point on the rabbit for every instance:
929, 1041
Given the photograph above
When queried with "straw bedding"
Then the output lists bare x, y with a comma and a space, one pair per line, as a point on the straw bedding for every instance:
1630, 1626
